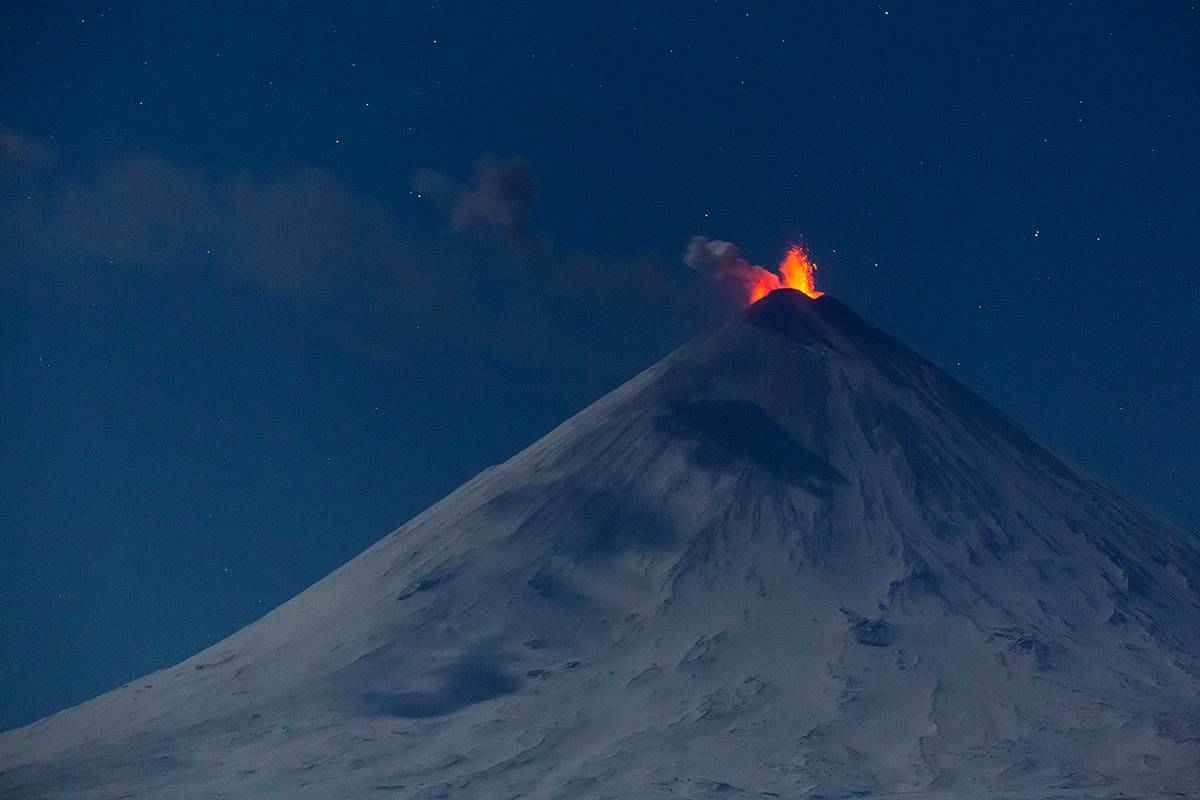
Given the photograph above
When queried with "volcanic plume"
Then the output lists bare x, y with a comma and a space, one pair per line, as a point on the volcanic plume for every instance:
723, 262
793, 559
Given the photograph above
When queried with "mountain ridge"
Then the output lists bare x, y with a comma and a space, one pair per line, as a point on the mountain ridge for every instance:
793, 558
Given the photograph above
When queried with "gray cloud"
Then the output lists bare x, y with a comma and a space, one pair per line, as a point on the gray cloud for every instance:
19, 150
340, 256
301, 229
345, 260
499, 200
714, 257
723, 263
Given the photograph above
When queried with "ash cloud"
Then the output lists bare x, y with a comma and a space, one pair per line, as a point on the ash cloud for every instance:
498, 200
345, 260
287, 232
280, 231
21, 151
342, 260
722, 262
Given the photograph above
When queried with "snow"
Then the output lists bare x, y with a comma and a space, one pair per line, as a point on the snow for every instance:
792, 559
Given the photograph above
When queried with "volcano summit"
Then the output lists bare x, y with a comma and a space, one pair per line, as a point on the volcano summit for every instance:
793, 559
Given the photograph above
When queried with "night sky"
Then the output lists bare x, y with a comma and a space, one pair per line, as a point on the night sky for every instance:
274, 280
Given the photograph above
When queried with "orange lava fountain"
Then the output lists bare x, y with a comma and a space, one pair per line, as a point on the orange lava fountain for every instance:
795, 272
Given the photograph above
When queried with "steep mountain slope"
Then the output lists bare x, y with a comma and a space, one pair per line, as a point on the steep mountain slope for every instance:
792, 559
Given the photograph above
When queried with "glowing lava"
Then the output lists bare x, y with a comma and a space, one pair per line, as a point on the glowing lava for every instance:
722, 262
795, 272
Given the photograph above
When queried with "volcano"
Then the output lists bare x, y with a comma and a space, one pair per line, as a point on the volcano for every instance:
793, 559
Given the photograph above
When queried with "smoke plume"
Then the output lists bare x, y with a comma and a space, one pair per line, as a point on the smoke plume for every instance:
723, 263
499, 200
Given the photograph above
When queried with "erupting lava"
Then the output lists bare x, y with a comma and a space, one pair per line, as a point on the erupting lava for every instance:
723, 263
796, 270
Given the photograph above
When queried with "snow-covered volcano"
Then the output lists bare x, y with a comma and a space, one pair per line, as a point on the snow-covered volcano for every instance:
793, 559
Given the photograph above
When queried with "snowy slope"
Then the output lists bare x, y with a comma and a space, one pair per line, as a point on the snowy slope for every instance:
792, 559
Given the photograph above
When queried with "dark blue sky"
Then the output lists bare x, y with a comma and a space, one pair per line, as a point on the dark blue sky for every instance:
237, 347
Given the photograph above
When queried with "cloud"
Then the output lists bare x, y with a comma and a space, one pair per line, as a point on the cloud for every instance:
723, 263
346, 260
141, 209
21, 151
499, 200
292, 231
714, 257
